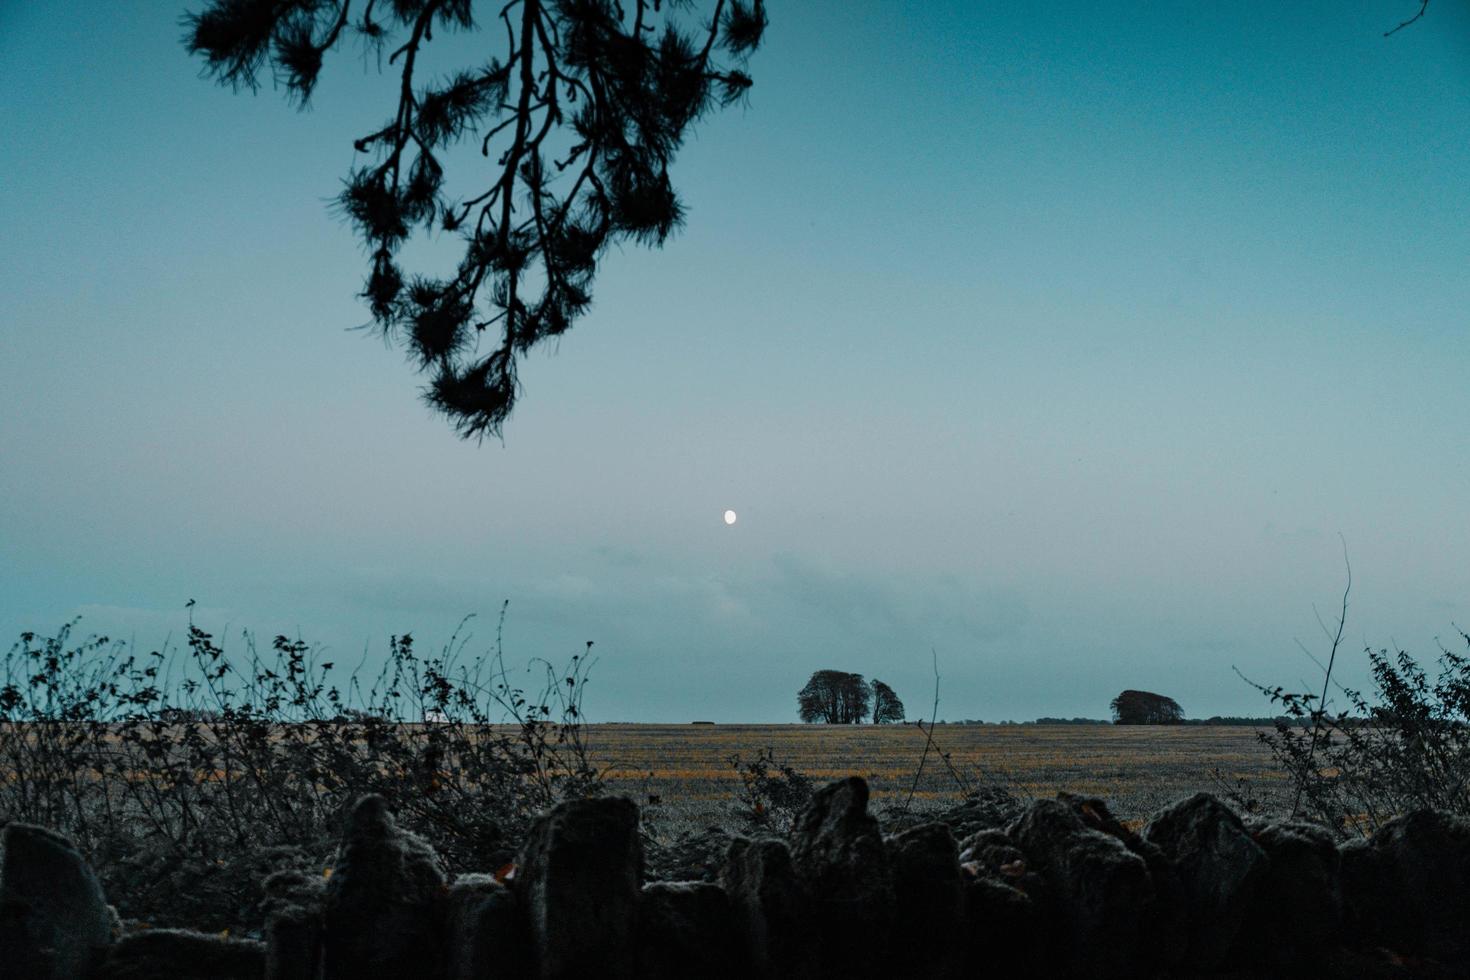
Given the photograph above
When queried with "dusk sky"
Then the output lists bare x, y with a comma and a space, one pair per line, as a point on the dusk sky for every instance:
1063, 340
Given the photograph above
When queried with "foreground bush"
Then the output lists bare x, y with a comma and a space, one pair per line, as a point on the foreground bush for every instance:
1405, 747
185, 778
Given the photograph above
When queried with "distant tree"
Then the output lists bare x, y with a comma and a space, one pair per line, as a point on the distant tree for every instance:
1146, 708
833, 697
886, 705
577, 121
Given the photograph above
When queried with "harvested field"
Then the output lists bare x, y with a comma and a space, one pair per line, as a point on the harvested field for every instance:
1136, 769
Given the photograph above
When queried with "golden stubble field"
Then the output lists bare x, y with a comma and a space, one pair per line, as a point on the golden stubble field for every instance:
1137, 769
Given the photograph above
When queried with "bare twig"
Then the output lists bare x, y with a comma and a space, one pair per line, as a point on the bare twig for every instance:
1320, 665
1423, 5
1321, 712
928, 734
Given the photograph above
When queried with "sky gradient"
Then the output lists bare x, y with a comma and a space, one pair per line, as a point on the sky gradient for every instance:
1063, 341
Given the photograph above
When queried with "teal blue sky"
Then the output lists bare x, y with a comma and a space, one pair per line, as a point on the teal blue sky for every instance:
1064, 340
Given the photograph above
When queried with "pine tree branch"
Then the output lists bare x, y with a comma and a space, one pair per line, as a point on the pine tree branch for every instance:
1423, 6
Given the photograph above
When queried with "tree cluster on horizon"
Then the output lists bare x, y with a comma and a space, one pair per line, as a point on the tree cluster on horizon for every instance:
1146, 708
836, 697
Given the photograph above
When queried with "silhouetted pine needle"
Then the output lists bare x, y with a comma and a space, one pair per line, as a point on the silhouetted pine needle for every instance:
577, 124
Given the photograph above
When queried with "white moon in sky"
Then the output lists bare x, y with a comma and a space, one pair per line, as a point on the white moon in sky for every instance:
729, 517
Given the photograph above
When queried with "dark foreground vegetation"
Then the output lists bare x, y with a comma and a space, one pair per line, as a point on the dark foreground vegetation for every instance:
184, 783
185, 779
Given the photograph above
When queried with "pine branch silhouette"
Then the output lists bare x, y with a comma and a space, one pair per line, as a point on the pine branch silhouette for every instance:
577, 121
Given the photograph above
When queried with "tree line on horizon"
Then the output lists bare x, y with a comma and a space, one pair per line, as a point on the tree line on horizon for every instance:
838, 697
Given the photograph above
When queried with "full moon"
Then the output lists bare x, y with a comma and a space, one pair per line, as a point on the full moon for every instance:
729, 517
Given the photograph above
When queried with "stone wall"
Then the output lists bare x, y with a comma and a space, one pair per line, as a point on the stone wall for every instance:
1062, 890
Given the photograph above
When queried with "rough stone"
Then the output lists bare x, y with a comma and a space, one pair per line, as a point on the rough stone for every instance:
1065, 891
990, 847
577, 882
179, 954
1004, 932
985, 808
1296, 911
1101, 890
1219, 866
293, 946
687, 929
1095, 815
54, 919
1006, 901
486, 935
992, 854
838, 853
293, 925
1164, 928
771, 909
1407, 888
929, 902
1343, 963
384, 901
689, 857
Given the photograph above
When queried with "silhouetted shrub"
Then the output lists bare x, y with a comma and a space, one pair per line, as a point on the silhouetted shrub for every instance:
772, 792
1405, 747
187, 776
